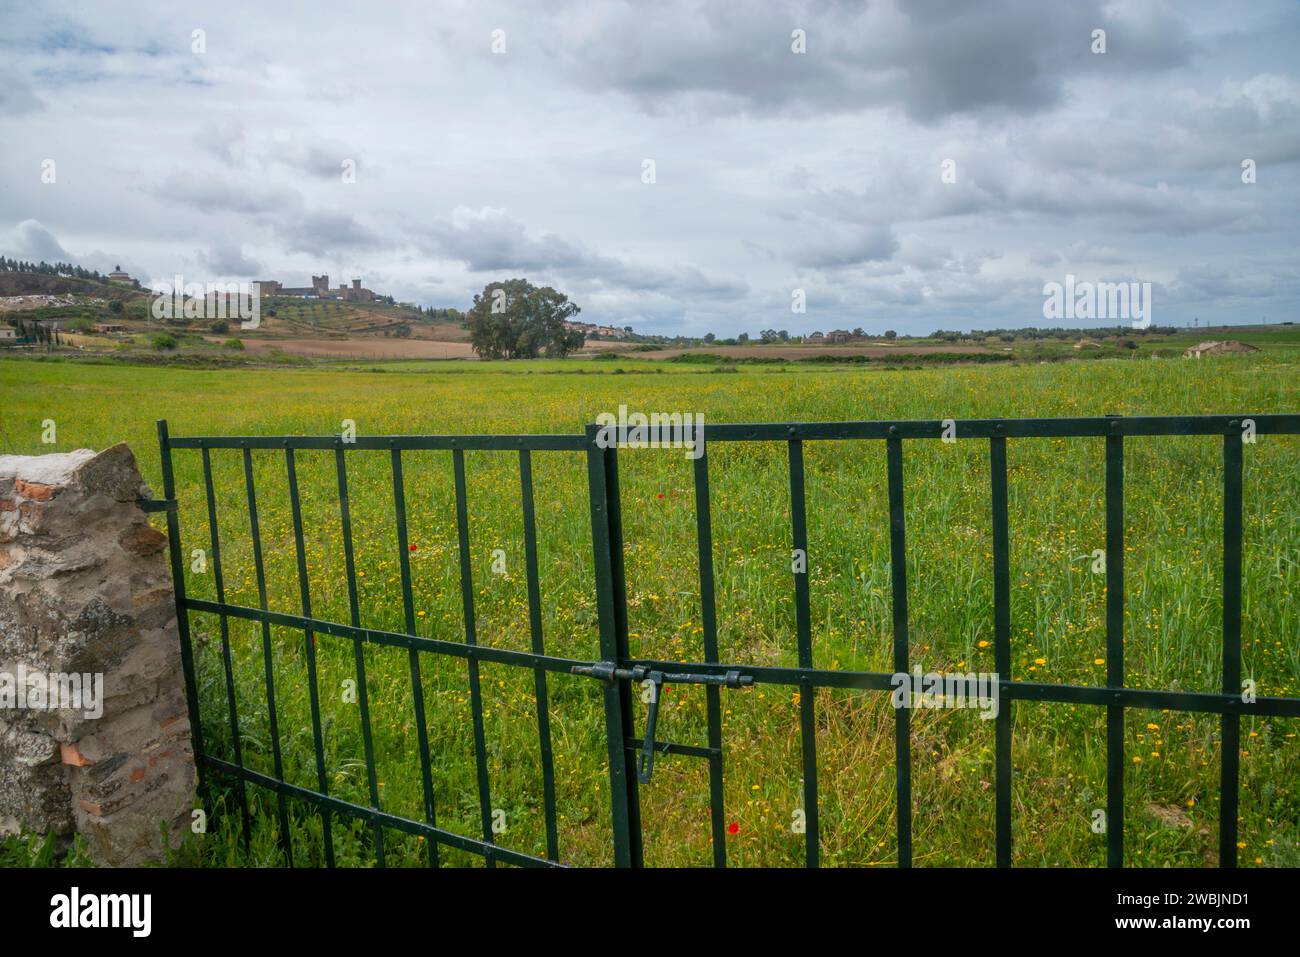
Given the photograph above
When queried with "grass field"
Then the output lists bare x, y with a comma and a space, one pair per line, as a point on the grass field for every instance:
1173, 582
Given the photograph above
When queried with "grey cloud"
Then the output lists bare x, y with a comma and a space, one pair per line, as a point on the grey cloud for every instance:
1083, 251
33, 241
860, 246
281, 211
16, 96
229, 260
996, 187
488, 239
218, 196
318, 159
327, 233
919, 254
1211, 281
933, 58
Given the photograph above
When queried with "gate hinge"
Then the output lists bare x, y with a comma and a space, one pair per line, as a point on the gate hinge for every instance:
654, 681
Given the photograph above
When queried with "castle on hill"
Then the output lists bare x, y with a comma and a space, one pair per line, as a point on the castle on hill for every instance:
319, 289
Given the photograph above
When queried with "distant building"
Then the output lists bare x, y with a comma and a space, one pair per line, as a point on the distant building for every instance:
8, 332
1213, 348
118, 276
596, 332
109, 327
319, 289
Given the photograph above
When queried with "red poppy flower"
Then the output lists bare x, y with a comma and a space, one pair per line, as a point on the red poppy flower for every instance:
733, 828
661, 494
412, 548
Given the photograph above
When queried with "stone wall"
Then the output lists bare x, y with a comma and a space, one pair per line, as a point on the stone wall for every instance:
85, 591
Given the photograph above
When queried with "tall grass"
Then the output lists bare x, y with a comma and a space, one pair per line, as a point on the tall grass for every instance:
1172, 625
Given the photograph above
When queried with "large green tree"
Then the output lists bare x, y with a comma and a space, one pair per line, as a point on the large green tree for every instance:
514, 319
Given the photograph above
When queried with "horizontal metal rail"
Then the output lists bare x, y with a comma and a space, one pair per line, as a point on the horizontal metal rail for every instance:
1150, 699
497, 443
377, 818
1064, 427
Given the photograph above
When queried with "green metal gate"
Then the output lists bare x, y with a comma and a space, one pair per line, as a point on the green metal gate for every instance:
630, 758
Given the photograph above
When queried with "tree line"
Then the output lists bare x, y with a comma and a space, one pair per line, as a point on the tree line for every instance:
43, 268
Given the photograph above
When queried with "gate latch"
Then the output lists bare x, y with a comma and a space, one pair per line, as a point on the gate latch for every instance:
609, 672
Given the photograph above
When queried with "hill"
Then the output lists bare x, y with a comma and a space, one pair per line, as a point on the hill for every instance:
39, 284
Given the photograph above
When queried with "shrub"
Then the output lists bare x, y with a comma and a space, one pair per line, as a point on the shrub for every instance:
163, 340
704, 358
233, 344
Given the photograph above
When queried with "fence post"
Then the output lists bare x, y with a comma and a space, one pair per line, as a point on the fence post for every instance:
1115, 643
1002, 641
624, 803
1230, 724
183, 616
898, 582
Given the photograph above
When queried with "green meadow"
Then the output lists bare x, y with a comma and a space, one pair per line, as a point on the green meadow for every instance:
1173, 562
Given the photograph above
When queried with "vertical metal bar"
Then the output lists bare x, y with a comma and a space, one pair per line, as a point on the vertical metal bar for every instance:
417, 688
286, 838
1115, 648
898, 576
358, 653
183, 616
709, 622
539, 647
1230, 724
232, 705
471, 638
309, 649
618, 581
1002, 642
803, 629
614, 726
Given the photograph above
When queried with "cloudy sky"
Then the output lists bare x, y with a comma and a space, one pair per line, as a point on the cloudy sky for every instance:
482, 155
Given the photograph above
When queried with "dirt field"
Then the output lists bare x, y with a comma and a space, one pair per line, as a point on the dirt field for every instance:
382, 348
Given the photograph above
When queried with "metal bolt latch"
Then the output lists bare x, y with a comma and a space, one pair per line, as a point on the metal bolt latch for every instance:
609, 672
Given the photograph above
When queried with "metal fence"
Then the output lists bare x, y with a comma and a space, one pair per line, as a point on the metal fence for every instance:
619, 672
